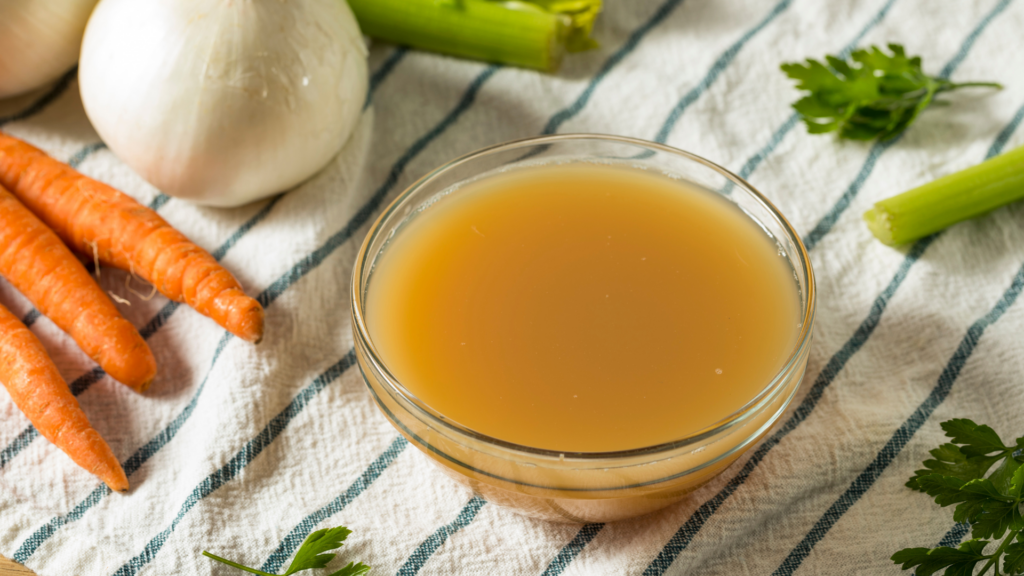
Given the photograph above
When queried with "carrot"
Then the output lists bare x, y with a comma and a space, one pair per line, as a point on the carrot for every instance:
38, 264
94, 218
38, 389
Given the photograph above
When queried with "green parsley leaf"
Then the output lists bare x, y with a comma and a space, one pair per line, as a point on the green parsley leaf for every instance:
353, 569
960, 560
877, 95
951, 461
991, 505
975, 440
313, 553
1016, 488
1014, 561
1003, 475
995, 519
973, 458
945, 489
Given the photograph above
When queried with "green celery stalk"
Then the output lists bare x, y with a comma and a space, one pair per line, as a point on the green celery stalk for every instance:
948, 200
532, 34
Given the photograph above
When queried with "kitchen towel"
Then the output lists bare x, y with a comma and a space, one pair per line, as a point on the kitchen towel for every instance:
245, 450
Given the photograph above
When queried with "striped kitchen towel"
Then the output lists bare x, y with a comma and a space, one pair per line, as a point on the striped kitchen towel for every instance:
245, 450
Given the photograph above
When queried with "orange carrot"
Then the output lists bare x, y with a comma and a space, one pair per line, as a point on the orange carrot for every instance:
38, 389
37, 263
94, 218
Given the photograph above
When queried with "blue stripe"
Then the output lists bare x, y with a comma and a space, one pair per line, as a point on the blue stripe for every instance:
240, 460
298, 534
78, 157
567, 113
567, 554
824, 226
719, 66
18, 444
244, 229
1005, 134
31, 318
906, 431
314, 259
83, 382
875, 21
955, 534
142, 455
158, 201
570, 551
776, 138
244, 456
681, 539
832, 216
45, 100
134, 462
39, 536
965, 48
425, 550
383, 72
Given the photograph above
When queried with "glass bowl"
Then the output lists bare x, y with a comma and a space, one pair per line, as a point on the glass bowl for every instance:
581, 486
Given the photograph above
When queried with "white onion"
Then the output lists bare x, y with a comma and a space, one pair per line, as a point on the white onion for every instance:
223, 101
39, 41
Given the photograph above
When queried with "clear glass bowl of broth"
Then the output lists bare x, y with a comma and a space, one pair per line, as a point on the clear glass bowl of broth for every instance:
582, 328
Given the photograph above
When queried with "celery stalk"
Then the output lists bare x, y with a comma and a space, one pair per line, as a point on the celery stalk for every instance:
532, 34
948, 200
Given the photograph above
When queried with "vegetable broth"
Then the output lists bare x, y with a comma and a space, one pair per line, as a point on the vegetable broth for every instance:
583, 307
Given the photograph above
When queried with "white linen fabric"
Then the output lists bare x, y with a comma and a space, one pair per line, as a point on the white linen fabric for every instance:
243, 450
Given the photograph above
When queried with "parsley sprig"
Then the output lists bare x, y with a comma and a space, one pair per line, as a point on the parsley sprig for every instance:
312, 554
877, 95
991, 505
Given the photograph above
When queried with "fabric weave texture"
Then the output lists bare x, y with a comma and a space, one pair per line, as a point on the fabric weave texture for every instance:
243, 450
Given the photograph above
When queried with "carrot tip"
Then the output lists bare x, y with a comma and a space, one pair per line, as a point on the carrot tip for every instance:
116, 481
249, 334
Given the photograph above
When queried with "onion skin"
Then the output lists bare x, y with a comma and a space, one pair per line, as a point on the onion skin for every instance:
223, 102
39, 41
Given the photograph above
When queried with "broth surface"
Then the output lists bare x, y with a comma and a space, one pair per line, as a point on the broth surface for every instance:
583, 307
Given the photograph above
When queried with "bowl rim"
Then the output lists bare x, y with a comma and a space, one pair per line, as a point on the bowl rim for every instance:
434, 418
